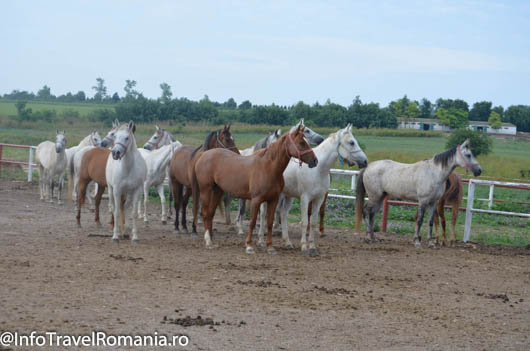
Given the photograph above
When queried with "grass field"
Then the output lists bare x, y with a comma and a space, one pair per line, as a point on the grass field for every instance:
505, 163
7, 108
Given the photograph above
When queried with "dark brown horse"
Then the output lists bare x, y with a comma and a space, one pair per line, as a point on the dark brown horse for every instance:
92, 168
258, 177
181, 172
452, 196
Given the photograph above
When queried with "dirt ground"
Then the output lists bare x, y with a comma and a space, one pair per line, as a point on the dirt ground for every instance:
353, 296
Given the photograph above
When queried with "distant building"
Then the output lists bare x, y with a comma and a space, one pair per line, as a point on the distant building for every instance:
434, 124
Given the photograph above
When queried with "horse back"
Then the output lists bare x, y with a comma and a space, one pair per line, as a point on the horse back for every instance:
93, 165
181, 163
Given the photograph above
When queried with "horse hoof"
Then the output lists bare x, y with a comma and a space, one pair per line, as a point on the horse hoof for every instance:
211, 246
163, 222
289, 246
240, 233
313, 252
135, 242
432, 245
184, 231
305, 252
115, 240
250, 251
323, 235
272, 251
260, 244
417, 244
451, 243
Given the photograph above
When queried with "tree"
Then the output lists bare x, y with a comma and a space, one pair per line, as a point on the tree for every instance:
45, 93
101, 90
481, 111
520, 116
426, 109
481, 143
448, 104
404, 108
245, 105
166, 93
230, 104
453, 118
495, 120
130, 92
80, 96
23, 113
500, 110
115, 98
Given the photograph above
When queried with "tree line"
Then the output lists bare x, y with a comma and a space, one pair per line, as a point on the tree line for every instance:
134, 105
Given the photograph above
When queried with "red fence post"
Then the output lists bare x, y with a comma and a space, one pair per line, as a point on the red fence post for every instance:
385, 214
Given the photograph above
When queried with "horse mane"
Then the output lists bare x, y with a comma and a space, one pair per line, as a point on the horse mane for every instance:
445, 157
262, 143
207, 140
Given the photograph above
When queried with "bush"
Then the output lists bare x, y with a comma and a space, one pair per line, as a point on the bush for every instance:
481, 143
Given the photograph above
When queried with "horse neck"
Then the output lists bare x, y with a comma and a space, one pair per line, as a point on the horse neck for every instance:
85, 141
162, 157
327, 153
132, 149
276, 155
445, 172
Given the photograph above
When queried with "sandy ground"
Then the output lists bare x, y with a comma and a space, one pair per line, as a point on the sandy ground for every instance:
54, 276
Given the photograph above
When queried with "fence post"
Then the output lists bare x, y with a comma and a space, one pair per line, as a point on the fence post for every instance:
385, 214
490, 198
469, 210
30, 165
1, 147
353, 182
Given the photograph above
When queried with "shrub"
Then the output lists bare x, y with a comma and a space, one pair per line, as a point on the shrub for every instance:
481, 143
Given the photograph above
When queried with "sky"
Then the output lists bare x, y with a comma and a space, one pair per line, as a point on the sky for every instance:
268, 52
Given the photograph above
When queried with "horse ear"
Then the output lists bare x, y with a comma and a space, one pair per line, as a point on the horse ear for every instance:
57, 132
278, 132
116, 123
64, 132
132, 126
228, 129
157, 127
301, 123
465, 144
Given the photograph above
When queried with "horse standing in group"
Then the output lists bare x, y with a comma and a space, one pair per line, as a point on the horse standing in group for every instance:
125, 172
181, 173
311, 185
89, 166
259, 178
51, 158
422, 181
452, 196
93, 139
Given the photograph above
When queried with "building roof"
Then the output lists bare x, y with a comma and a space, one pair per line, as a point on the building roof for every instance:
437, 121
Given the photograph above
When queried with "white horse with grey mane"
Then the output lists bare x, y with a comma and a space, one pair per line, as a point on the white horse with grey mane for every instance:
51, 158
157, 162
310, 185
422, 181
125, 172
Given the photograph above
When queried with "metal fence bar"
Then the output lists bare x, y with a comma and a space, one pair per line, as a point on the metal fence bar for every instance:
469, 212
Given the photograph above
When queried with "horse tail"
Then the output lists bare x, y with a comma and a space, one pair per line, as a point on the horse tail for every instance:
70, 179
454, 191
359, 201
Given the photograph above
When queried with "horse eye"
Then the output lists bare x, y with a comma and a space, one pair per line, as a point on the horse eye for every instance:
352, 143
302, 143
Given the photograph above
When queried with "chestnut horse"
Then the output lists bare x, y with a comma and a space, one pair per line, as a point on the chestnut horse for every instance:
181, 173
259, 178
453, 197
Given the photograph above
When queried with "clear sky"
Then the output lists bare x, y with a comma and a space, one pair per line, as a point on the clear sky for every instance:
272, 51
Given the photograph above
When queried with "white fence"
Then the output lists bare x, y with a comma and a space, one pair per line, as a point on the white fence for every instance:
345, 172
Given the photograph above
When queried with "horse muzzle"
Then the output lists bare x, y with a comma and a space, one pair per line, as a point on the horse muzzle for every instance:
105, 143
58, 148
116, 154
476, 171
362, 164
148, 147
312, 163
319, 140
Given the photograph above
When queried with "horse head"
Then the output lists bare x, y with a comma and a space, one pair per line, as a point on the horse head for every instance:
224, 139
95, 138
312, 137
465, 158
297, 146
60, 141
124, 141
159, 139
109, 139
349, 150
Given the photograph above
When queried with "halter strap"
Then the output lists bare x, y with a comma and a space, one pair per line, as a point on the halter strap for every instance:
124, 146
298, 152
155, 145
341, 159
468, 165
220, 142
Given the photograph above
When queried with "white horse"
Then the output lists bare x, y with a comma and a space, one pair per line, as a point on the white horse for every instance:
310, 185
93, 139
125, 172
52, 165
423, 181
157, 163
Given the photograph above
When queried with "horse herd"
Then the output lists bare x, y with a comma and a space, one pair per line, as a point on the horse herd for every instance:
269, 175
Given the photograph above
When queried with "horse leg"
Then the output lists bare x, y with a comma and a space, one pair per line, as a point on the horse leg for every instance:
284, 212
322, 213
262, 213
196, 197
90, 197
313, 225
187, 193
111, 204
304, 207
254, 208
271, 210
210, 201
160, 189
50, 187
80, 201
116, 204
177, 202
419, 222
432, 214
170, 191
440, 217
241, 214
145, 189
135, 200
41, 182
228, 203
369, 213
277, 214
60, 189
99, 195
453, 223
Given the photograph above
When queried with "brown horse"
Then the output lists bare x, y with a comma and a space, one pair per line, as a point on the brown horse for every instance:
452, 196
93, 167
181, 173
258, 177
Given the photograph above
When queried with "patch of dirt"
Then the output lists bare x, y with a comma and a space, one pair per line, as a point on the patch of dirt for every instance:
354, 295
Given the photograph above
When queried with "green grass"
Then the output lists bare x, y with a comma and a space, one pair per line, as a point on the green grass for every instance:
7, 107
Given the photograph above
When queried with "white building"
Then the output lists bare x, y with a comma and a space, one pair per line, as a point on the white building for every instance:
434, 124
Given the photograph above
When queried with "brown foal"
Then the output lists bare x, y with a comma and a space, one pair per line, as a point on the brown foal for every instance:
258, 177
